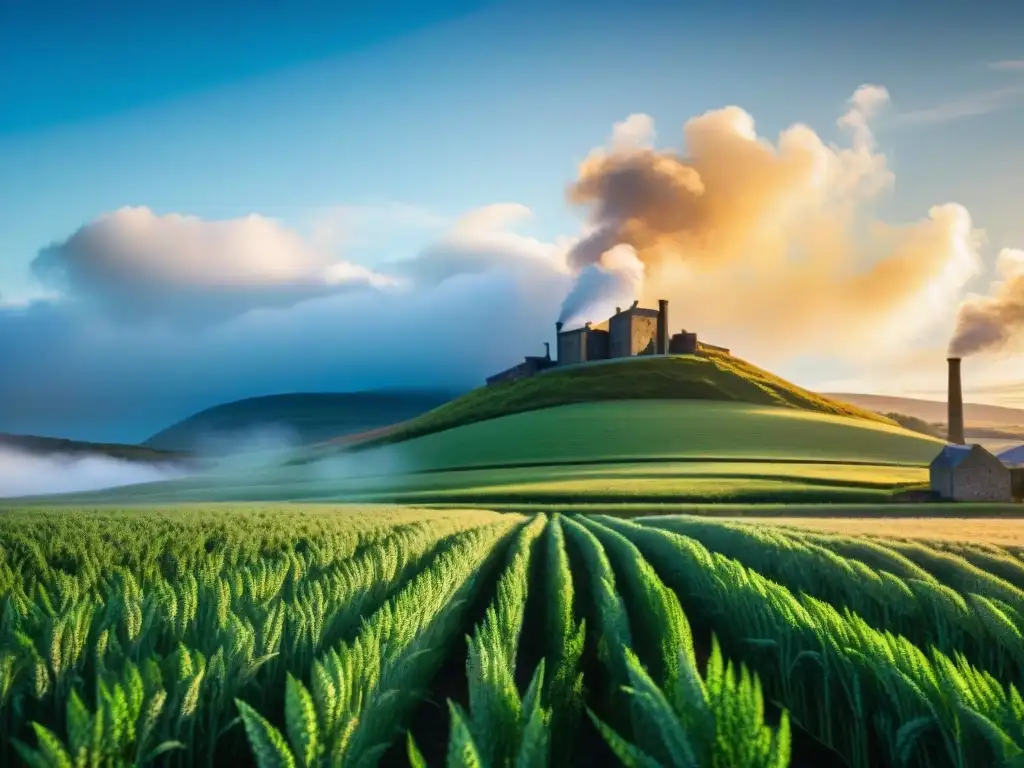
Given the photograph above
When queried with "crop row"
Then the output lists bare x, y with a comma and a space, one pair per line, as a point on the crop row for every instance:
312, 637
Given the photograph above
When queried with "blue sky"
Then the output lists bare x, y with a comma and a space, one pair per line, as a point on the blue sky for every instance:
369, 131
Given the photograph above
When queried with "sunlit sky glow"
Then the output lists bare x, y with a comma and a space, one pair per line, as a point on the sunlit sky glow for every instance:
365, 136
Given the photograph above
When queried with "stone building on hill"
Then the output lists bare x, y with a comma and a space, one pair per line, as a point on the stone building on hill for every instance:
528, 367
630, 332
970, 473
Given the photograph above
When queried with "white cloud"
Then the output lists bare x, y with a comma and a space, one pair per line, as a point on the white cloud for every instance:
473, 302
864, 105
1007, 65
134, 264
483, 240
635, 132
356, 227
964, 106
1010, 263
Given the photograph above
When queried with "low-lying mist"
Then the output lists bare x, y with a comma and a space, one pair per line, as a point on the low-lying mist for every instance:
24, 473
240, 465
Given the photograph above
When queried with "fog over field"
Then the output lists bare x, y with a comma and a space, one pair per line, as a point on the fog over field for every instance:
23, 473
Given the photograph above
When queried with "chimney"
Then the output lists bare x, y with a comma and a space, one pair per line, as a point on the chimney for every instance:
955, 405
662, 344
558, 327
547, 351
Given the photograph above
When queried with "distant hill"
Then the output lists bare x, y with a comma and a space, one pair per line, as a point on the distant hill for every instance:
915, 424
705, 376
976, 415
303, 418
48, 446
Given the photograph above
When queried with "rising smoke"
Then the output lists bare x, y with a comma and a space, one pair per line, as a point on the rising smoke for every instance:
616, 278
771, 244
990, 323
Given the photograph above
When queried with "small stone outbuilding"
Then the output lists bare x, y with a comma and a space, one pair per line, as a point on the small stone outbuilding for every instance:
970, 473
1014, 459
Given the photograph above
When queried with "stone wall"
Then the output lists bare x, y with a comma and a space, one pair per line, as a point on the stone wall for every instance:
633, 332
683, 344
644, 335
525, 369
598, 344
618, 329
981, 477
939, 482
1017, 483
572, 347
714, 348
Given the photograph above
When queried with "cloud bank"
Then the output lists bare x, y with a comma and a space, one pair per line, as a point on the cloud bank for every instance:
768, 246
135, 266
162, 315
29, 474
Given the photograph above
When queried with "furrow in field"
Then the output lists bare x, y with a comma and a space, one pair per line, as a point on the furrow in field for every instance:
360, 692
500, 726
858, 690
923, 611
667, 714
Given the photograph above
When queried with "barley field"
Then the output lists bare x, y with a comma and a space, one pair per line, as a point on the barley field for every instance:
320, 635
999, 531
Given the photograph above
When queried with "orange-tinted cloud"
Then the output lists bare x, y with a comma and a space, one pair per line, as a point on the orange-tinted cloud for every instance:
772, 244
989, 323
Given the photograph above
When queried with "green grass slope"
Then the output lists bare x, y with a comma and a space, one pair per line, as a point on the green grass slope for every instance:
664, 451
707, 376
645, 430
306, 417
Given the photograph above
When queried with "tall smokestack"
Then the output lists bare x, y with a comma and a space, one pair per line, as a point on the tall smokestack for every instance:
558, 327
662, 343
955, 415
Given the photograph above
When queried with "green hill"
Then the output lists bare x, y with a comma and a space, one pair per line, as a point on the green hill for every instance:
304, 417
44, 446
627, 451
707, 376
665, 430
686, 429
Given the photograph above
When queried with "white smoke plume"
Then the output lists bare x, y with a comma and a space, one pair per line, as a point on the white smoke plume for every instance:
989, 323
24, 473
616, 279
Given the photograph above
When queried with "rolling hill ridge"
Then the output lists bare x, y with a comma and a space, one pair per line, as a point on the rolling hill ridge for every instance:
300, 418
708, 376
976, 415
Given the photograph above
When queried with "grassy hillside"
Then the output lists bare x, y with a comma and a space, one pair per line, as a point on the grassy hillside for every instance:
304, 417
679, 377
44, 446
915, 424
664, 429
661, 451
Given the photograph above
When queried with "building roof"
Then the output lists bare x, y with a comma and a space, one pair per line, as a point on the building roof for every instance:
593, 328
1013, 457
636, 311
951, 456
